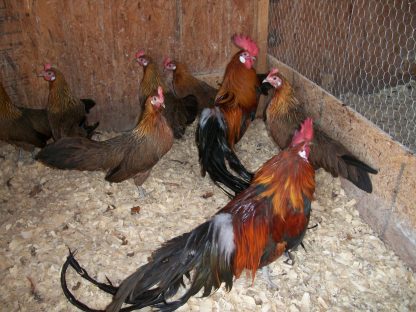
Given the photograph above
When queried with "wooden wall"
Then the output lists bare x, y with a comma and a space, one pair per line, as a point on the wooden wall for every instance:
346, 45
93, 42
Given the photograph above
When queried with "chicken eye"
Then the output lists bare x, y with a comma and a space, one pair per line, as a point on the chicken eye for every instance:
245, 54
153, 100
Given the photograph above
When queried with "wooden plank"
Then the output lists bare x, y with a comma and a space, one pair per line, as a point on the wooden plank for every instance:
93, 43
390, 208
262, 35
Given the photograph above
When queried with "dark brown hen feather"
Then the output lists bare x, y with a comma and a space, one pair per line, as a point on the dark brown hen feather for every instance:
184, 84
23, 127
123, 157
151, 80
285, 113
66, 113
179, 112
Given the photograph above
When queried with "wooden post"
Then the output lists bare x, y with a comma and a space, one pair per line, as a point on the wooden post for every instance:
262, 34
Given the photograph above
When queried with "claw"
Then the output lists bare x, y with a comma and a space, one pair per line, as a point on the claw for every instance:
108, 280
303, 246
142, 192
266, 274
290, 258
313, 226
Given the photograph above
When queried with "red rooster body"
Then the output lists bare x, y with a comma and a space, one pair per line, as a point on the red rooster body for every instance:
284, 114
221, 127
251, 231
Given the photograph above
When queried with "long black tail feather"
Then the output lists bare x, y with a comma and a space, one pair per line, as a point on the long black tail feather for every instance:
160, 279
214, 151
358, 173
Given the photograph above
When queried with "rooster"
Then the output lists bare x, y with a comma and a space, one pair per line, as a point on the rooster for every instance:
182, 83
130, 155
255, 228
66, 113
24, 127
284, 114
222, 126
179, 112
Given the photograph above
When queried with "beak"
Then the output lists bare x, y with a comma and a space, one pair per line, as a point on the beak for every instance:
163, 105
265, 80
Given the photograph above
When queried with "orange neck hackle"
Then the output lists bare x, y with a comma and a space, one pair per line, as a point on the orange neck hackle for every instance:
284, 101
237, 96
152, 115
60, 95
288, 178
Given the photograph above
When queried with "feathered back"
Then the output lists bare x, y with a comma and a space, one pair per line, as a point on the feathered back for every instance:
288, 178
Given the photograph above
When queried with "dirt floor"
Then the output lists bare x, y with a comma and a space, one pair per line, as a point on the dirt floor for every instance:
43, 212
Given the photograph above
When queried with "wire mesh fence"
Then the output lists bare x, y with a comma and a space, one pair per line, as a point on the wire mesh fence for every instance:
361, 51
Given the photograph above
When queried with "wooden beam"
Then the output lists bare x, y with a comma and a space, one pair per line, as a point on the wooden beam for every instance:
262, 33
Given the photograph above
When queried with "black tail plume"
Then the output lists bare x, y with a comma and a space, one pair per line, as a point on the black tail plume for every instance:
196, 252
88, 104
358, 173
214, 151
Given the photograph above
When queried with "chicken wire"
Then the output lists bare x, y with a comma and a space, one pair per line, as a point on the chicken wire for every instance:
361, 51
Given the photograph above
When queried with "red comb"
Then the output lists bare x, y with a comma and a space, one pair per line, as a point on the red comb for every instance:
139, 53
160, 93
166, 61
273, 71
305, 133
307, 129
245, 43
47, 66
